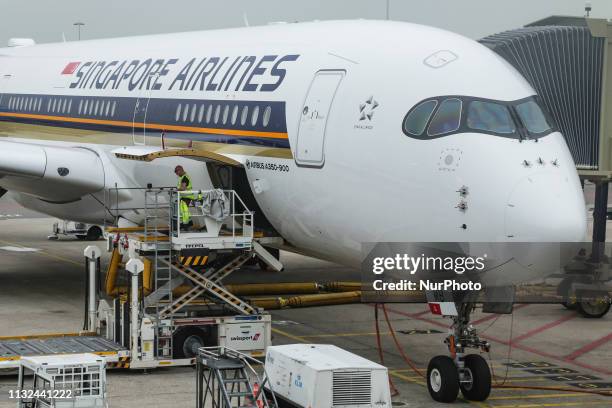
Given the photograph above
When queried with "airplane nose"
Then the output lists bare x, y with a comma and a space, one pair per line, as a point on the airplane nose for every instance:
546, 207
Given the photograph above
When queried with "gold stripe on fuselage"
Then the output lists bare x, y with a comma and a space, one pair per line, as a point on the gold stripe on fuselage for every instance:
53, 133
154, 126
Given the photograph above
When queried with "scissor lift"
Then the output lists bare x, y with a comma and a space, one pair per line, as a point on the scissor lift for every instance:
178, 273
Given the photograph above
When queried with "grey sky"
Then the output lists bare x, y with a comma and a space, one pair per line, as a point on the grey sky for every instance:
46, 20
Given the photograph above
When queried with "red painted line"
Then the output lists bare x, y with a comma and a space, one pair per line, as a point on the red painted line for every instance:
494, 315
424, 312
516, 346
544, 328
591, 346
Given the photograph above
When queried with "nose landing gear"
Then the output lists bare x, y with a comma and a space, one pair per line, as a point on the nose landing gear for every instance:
446, 375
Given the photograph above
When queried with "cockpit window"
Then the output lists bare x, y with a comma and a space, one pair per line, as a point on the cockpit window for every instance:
532, 117
416, 121
443, 116
447, 118
490, 117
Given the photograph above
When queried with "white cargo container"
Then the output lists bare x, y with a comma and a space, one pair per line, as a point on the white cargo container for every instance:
323, 375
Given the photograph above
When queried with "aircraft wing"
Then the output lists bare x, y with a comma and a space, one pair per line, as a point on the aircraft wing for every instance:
144, 154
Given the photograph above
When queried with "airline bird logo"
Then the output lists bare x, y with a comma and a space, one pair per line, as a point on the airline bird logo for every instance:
366, 109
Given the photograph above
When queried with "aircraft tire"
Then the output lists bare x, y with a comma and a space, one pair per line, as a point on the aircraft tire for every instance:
480, 386
442, 379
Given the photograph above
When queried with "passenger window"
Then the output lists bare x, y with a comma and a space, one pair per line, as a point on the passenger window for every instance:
234, 114
217, 113
416, 120
185, 112
201, 114
178, 113
447, 119
69, 106
114, 108
266, 116
255, 115
532, 117
225, 114
209, 113
490, 117
244, 115
193, 112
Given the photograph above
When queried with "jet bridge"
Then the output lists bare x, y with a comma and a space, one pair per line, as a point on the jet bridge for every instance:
568, 61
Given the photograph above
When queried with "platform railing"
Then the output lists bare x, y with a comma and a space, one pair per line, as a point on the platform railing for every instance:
217, 212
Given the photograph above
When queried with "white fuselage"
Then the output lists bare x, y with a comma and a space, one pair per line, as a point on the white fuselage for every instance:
357, 178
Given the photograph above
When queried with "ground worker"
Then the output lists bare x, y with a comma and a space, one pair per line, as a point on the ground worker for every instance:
184, 184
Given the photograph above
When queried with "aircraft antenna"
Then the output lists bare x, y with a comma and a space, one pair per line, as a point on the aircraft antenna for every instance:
245, 18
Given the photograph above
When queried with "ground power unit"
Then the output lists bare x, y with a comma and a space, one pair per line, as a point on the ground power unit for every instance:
325, 376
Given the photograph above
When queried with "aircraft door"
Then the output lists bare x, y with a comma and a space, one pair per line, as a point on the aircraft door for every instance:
139, 125
310, 147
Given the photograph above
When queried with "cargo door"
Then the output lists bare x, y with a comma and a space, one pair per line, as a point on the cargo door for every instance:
310, 147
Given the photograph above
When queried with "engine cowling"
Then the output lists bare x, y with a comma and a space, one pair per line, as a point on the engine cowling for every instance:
52, 173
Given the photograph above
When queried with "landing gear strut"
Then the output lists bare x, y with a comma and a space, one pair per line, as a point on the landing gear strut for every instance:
469, 373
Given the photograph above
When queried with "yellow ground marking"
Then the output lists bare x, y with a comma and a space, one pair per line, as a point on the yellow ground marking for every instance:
45, 253
346, 334
290, 336
536, 396
422, 382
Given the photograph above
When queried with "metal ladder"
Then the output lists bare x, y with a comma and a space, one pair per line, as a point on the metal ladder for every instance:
210, 285
229, 379
158, 213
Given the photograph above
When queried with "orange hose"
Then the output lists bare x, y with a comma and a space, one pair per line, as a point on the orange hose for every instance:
394, 390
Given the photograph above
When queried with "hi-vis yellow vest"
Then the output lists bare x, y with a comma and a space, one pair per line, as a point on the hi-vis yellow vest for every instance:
188, 187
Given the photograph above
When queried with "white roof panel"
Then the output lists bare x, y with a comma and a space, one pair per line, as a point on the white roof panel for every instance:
324, 357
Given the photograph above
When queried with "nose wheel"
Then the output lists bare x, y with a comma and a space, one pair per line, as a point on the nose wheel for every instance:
446, 375
476, 382
442, 379
445, 378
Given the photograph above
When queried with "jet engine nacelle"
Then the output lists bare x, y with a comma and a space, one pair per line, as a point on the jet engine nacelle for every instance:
58, 174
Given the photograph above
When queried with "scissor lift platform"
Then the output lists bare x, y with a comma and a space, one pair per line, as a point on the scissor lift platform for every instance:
13, 348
